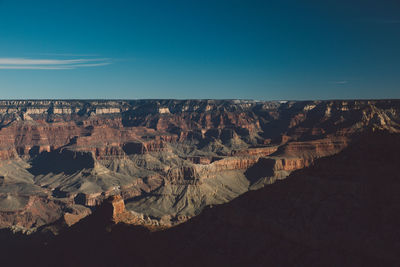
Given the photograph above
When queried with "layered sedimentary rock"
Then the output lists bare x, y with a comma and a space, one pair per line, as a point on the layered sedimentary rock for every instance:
344, 210
165, 159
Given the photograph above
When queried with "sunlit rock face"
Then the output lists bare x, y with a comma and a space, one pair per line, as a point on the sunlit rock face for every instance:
164, 159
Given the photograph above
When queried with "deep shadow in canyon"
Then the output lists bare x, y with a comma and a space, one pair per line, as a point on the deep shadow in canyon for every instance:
61, 161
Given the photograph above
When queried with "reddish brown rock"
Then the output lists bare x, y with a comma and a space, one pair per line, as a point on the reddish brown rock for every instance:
118, 207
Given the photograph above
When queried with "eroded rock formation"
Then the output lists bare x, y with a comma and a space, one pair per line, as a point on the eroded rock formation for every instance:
165, 159
344, 210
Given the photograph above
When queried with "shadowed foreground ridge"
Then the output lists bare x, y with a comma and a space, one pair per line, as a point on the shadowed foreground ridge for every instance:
344, 210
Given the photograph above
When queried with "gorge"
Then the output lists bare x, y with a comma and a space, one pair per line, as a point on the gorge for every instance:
167, 159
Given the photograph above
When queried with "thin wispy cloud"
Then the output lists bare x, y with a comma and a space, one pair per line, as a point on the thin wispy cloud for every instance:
340, 82
65, 55
51, 64
390, 21
381, 21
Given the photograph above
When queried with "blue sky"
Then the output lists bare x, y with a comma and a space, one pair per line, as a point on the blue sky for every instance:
267, 50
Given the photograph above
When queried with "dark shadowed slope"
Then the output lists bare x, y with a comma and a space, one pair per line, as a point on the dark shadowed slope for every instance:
342, 211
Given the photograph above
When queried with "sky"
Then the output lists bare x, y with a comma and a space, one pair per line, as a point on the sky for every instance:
208, 49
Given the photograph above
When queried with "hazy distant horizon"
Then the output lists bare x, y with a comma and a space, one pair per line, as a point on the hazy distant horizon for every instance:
197, 99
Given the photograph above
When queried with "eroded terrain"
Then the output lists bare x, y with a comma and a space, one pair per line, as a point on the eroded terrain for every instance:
166, 159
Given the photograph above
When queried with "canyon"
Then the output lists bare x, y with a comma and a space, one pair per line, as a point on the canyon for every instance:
162, 162
343, 210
